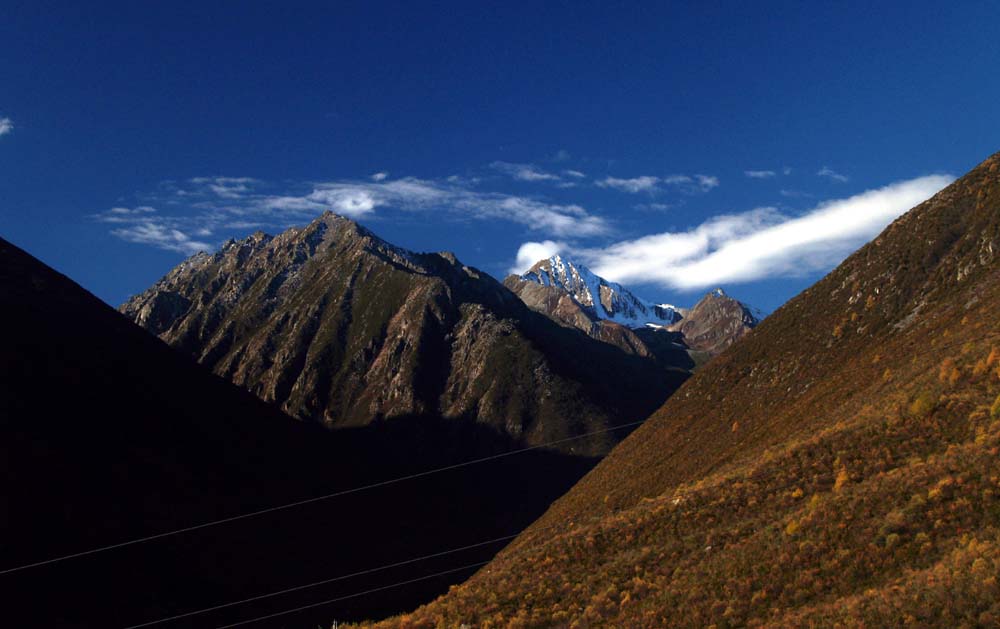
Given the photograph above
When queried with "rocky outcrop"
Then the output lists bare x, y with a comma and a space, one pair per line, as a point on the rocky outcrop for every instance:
715, 322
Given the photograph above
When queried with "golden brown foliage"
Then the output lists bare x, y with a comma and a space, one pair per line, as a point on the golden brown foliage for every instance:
688, 523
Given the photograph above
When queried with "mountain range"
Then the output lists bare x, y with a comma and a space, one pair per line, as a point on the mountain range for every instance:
837, 467
338, 327
570, 293
315, 401
417, 361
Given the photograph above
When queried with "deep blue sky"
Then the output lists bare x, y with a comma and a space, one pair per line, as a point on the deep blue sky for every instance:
122, 105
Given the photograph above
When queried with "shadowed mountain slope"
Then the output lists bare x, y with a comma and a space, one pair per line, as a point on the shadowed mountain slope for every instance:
107, 435
339, 327
837, 466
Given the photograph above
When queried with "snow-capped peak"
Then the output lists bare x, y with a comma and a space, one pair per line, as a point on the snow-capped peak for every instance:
604, 299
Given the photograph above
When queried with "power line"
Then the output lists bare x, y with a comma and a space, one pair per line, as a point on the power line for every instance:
355, 595
299, 503
324, 581
360, 489
290, 611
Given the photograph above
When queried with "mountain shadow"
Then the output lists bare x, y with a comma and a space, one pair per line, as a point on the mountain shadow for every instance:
108, 435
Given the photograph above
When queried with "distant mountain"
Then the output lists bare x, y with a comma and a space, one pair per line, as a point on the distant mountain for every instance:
837, 467
571, 294
597, 297
716, 322
340, 327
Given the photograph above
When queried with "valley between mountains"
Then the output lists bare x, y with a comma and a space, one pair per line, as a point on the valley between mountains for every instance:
311, 363
294, 408
837, 467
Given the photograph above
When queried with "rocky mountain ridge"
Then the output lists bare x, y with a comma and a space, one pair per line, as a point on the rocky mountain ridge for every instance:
339, 327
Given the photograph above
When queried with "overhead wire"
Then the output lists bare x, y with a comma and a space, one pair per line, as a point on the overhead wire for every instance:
299, 503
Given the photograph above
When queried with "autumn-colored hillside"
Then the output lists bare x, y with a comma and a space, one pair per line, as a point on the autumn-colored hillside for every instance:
837, 466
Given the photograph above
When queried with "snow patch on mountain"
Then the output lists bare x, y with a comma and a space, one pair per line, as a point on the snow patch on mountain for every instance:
605, 300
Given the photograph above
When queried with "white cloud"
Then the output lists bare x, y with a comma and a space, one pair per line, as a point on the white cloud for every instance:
654, 207
707, 182
124, 211
6, 126
144, 225
523, 172
227, 187
214, 204
531, 252
574, 173
381, 176
644, 183
761, 243
759, 174
149, 232
358, 199
830, 173
689, 184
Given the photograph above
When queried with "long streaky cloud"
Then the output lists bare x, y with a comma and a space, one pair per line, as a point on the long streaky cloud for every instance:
758, 244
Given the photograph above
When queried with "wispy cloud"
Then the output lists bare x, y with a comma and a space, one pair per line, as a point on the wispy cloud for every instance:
654, 207
380, 176
6, 126
761, 243
644, 183
204, 205
759, 174
576, 174
125, 215
143, 225
524, 172
650, 184
227, 187
357, 199
152, 233
830, 173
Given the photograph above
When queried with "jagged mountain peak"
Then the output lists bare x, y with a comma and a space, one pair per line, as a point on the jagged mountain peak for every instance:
603, 299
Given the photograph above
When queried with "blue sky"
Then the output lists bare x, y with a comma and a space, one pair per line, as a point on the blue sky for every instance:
672, 146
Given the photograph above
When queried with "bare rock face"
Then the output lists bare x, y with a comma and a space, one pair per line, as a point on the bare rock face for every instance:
715, 323
339, 327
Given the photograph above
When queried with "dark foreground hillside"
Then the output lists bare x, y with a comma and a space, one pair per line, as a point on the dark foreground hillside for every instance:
838, 467
106, 435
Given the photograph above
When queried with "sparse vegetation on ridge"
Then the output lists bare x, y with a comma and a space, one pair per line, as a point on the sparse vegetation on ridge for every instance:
860, 489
